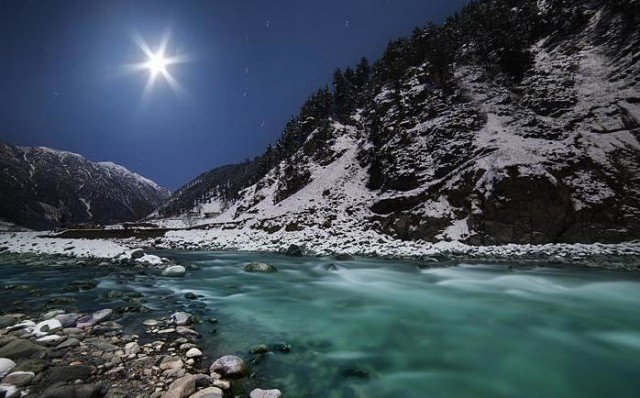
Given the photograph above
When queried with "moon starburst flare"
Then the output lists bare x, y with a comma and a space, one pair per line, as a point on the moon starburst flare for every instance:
158, 64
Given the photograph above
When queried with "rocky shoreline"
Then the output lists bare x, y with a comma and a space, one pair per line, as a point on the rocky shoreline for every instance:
623, 256
61, 352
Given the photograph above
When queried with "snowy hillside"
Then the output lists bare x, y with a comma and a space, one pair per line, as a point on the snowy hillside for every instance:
45, 188
515, 122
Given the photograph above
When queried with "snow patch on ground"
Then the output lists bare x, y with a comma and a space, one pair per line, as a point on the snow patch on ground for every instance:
37, 242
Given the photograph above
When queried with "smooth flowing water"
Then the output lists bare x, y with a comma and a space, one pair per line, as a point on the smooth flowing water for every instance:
380, 328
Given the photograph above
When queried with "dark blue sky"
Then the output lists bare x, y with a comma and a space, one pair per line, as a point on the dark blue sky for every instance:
61, 83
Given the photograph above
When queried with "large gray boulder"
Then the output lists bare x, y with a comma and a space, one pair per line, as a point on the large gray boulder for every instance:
22, 349
181, 388
259, 393
229, 366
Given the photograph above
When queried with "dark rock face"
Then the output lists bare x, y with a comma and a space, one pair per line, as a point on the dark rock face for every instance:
70, 373
73, 391
45, 188
514, 122
22, 349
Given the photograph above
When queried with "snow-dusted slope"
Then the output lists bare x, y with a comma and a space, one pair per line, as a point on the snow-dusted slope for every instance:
44, 188
552, 156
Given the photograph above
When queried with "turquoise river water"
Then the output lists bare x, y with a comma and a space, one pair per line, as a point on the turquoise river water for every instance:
381, 328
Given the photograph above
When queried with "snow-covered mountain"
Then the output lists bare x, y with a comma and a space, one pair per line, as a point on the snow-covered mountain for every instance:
45, 188
516, 121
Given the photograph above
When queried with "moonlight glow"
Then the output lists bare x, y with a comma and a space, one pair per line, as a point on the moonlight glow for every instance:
158, 64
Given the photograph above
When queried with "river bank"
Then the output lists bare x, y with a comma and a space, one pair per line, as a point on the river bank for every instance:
85, 328
621, 256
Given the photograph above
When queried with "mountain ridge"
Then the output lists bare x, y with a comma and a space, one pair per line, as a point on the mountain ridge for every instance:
47, 188
514, 122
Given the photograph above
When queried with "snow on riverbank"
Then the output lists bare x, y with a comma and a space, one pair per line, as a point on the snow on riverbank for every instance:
320, 242
37, 242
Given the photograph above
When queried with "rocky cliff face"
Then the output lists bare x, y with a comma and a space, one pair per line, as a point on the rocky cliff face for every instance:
516, 121
45, 188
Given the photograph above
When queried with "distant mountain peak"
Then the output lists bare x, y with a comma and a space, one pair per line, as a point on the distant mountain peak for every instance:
46, 188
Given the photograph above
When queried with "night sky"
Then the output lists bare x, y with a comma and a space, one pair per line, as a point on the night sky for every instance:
252, 64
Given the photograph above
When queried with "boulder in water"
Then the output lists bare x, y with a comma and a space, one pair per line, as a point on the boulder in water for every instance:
229, 366
174, 270
260, 267
181, 318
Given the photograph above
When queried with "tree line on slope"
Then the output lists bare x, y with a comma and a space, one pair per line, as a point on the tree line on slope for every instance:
495, 34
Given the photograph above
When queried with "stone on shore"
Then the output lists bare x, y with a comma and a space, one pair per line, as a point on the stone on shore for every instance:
22, 349
50, 340
48, 326
6, 321
132, 348
52, 314
181, 388
229, 366
95, 318
75, 391
67, 320
185, 331
19, 378
260, 267
5, 366
193, 353
68, 343
70, 373
171, 365
259, 393
9, 391
211, 392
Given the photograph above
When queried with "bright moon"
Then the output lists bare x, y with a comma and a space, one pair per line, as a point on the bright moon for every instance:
157, 64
